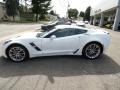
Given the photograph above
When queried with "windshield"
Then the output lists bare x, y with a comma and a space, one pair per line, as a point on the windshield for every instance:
41, 33
44, 31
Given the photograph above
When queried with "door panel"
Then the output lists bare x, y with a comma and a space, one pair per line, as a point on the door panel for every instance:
60, 46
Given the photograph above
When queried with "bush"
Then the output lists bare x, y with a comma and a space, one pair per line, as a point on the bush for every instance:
27, 17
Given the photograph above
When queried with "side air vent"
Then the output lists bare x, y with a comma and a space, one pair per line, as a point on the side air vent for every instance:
35, 47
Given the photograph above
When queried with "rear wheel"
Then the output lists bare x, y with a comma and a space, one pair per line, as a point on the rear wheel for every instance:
92, 50
17, 53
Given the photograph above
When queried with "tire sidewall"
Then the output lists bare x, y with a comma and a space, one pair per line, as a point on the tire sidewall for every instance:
84, 49
25, 50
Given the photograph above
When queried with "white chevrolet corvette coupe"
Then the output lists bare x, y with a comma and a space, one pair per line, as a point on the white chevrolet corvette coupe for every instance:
61, 40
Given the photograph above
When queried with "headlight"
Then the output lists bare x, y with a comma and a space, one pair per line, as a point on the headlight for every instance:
6, 42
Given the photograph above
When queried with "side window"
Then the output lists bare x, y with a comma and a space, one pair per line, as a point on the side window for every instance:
74, 31
66, 32
80, 31
71, 31
59, 33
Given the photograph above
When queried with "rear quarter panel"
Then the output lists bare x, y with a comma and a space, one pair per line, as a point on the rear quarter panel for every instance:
104, 39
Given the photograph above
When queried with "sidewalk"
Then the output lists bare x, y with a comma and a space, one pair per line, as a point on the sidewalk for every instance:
96, 27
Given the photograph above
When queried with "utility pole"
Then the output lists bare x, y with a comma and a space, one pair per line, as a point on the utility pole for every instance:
67, 8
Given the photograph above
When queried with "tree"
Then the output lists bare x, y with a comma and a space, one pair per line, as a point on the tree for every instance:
40, 8
72, 13
27, 4
52, 12
87, 14
12, 7
81, 14
21, 8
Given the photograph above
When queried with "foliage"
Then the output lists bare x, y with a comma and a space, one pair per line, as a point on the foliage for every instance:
87, 14
26, 16
21, 9
12, 7
81, 14
40, 8
52, 12
73, 13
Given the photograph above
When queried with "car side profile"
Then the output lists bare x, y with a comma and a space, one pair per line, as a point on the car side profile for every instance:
62, 40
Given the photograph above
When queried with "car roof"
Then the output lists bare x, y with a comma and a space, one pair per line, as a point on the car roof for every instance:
68, 26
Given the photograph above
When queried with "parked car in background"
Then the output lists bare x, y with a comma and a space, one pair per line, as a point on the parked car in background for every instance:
80, 23
61, 40
86, 22
50, 26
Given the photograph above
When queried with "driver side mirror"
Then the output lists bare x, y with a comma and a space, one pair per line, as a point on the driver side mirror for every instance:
53, 37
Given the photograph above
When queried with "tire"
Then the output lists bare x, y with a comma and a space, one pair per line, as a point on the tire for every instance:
92, 50
17, 53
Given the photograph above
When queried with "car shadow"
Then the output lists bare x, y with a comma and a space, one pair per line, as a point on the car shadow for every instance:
59, 66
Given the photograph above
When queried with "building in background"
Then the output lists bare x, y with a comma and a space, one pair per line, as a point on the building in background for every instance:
3, 14
107, 13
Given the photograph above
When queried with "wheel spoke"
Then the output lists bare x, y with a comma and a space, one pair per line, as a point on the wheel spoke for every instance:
17, 53
93, 51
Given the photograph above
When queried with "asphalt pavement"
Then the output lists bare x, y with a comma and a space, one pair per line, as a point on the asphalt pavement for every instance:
62, 72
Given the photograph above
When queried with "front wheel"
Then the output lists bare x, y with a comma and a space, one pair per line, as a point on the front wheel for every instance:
17, 53
92, 50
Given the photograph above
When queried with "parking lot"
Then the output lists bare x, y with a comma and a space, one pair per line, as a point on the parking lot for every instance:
61, 72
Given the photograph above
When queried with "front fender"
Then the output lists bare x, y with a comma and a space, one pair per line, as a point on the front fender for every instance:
24, 44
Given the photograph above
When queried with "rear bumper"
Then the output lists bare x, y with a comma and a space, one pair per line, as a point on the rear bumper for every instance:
107, 43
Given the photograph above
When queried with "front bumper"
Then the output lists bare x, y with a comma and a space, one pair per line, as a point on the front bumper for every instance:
3, 51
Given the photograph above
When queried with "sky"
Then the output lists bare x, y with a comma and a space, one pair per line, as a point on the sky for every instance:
60, 6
